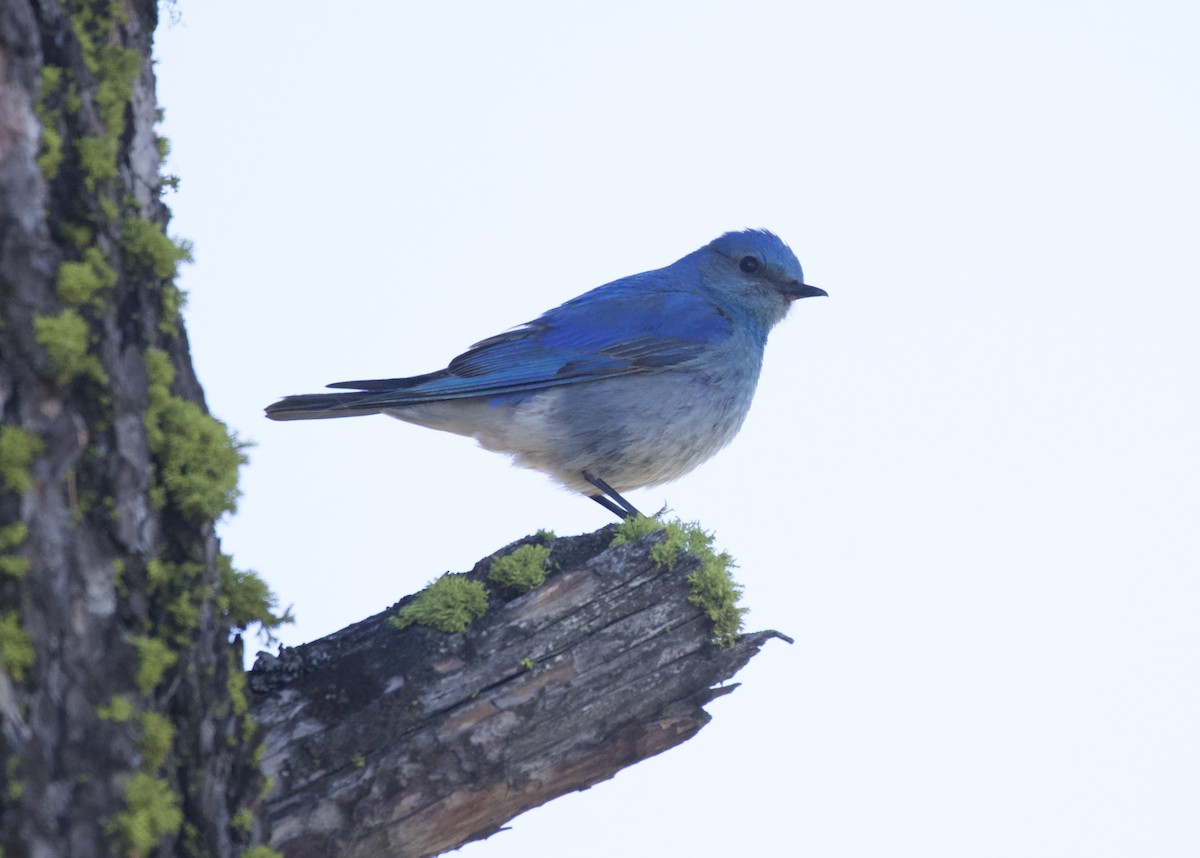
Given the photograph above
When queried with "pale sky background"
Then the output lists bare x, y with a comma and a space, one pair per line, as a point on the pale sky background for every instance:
968, 486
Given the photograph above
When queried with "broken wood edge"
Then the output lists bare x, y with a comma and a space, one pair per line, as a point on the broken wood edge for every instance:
413, 742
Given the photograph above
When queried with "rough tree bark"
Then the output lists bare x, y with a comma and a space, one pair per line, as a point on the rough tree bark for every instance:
123, 726
412, 742
124, 721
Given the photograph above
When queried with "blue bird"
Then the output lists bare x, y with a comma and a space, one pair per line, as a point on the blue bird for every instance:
632, 384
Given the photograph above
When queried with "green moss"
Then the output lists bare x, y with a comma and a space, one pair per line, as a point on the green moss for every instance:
151, 813
66, 339
179, 594
449, 604
118, 709
713, 589
77, 234
633, 529
527, 664
78, 282
18, 449
160, 573
173, 299
13, 565
49, 159
11, 537
260, 852
51, 79
98, 158
154, 659
159, 375
197, 458
245, 599
158, 734
16, 647
242, 823
235, 687
108, 209
522, 570
183, 615
717, 594
12, 771
148, 249
359, 761
119, 68
115, 68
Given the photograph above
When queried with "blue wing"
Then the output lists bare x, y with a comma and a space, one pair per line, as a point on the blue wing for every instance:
605, 333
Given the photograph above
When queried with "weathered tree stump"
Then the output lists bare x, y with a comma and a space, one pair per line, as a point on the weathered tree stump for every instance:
412, 742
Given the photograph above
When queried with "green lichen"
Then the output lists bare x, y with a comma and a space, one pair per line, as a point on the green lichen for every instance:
154, 659
359, 761
713, 589
196, 457
527, 664
449, 604
16, 647
11, 538
78, 282
18, 449
521, 570
67, 339
151, 813
149, 250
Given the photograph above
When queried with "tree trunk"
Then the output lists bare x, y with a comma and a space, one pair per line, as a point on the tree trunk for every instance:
412, 742
123, 719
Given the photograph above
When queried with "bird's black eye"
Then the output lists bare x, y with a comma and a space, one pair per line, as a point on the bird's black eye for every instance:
749, 264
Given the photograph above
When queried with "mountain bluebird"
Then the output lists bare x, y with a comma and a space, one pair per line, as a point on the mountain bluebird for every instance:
632, 384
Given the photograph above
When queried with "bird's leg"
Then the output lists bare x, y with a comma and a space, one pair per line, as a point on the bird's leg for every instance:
617, 505
610, 506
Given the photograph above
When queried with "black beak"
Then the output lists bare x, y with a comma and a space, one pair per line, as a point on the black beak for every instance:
795, 291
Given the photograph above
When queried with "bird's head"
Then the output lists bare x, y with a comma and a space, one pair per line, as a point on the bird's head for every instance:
755, 272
